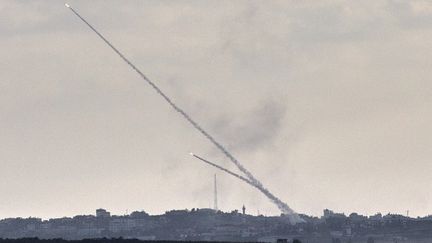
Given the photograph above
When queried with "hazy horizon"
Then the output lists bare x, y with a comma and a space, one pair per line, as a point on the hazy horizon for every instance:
327, 103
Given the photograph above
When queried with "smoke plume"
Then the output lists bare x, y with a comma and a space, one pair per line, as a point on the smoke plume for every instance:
281, 205
224, 169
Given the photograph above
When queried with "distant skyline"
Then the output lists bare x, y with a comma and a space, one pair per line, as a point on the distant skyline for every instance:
327, 103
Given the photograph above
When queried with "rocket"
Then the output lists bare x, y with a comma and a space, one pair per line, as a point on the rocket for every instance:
250, 177
223, 169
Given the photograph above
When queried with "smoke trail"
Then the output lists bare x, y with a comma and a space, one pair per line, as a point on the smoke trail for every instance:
282, 206
223, 169
292, 216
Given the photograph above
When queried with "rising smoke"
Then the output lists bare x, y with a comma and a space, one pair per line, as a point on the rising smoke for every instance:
244, 135
281, 205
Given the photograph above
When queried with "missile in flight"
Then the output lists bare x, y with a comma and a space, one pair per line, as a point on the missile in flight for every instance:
223, 169
285, 209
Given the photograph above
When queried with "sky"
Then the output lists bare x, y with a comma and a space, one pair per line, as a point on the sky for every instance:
326, 102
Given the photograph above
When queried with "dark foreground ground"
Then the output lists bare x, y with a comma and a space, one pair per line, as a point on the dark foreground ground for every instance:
103, 240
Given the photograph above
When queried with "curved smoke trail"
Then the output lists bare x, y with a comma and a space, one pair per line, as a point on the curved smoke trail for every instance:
281, 205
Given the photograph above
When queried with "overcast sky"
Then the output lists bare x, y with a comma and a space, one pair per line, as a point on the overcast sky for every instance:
328, 103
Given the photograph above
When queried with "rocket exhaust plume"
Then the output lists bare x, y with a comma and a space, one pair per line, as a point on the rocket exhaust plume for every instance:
282, 206
293, 217
223, 169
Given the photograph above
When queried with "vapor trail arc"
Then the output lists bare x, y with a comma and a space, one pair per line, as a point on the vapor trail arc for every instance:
282, 206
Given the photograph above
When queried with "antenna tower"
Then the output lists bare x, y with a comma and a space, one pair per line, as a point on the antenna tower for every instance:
215, 206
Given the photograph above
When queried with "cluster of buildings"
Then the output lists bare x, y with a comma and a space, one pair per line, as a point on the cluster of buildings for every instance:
210, 224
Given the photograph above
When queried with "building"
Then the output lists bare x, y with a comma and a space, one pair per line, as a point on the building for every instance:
102, 213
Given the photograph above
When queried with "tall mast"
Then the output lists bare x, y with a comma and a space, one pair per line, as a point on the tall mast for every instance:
215, 194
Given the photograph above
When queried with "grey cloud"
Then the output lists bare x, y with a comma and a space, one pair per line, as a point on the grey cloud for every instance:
253, 129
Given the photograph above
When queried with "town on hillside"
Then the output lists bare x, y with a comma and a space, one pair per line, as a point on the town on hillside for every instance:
213, 225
